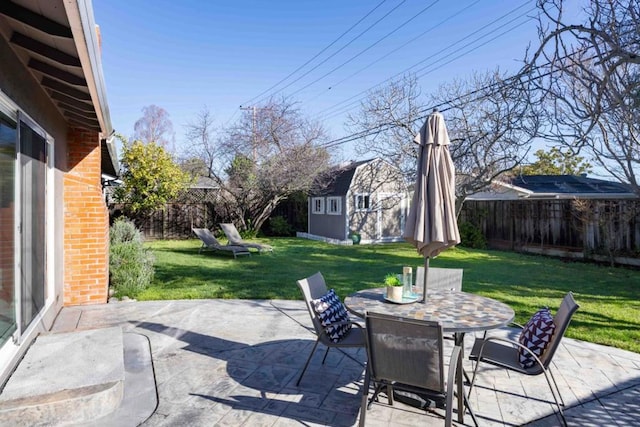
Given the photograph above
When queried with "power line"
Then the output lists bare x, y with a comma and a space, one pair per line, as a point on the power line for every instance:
360, 96
422, 114
518, 24
368, 47
317, 54
464, 8
339, 50
349, 106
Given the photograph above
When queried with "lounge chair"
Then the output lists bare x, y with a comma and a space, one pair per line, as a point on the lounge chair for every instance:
209, 241
234, 238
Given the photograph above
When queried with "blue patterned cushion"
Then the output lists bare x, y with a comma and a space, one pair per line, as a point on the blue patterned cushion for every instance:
536, 336
330, 310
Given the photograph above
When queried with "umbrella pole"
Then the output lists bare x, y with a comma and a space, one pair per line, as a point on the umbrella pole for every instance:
424, 282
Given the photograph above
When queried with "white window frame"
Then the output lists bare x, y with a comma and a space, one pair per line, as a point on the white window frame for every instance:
337, 205
8, 350
317, 205
359, 196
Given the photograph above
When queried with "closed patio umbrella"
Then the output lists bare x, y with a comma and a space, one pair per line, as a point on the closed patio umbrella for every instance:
431, 224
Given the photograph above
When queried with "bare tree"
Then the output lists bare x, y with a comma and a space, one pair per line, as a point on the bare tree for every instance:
587, 76
202, 151
389, 118
489, 119
491, 124
272, 152
154, 126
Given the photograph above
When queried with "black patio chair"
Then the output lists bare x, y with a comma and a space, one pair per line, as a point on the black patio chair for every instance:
407, 354
505, 353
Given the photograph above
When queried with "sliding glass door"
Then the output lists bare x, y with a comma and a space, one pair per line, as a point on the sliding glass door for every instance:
24, 152
33, 174
8, 143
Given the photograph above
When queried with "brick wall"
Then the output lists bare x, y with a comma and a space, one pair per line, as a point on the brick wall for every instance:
86, 223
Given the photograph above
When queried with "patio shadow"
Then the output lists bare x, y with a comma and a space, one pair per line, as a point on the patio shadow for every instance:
264, 377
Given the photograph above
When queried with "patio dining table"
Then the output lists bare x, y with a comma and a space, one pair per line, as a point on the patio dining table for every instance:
457, 312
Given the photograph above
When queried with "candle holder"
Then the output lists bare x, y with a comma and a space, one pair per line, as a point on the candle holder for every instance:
407, 282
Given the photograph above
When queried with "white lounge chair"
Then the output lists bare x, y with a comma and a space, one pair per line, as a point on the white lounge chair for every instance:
234, 238
209, 241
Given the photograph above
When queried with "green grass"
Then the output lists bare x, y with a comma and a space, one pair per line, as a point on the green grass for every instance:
609, 297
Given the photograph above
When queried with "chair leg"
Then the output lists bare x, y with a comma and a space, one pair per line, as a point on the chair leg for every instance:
546, 373
313, 350
325, 355
451, 383
390, 394
468, 406
473, 378
365, 393
375, 394
556, 384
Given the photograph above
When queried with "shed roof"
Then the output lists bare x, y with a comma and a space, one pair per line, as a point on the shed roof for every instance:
337, 180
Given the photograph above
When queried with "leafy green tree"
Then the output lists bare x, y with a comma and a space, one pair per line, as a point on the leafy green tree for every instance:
557, 162
150, 178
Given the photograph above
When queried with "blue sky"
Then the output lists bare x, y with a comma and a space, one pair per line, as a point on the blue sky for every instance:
184, 55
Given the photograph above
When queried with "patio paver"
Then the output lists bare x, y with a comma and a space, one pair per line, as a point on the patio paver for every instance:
235, 362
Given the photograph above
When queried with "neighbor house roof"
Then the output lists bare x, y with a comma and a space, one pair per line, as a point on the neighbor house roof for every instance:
557, 187
59, 43
205, 182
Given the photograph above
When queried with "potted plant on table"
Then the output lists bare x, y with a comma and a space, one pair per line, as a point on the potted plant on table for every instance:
394, 287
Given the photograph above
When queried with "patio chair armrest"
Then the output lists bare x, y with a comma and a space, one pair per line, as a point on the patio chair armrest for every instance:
512, 324
514, 344
456, 354
344, 322
356, 324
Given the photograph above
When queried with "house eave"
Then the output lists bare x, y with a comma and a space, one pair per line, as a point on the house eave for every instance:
85, 35
58, 43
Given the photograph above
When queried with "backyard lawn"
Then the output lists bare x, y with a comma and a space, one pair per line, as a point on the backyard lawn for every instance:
609, 297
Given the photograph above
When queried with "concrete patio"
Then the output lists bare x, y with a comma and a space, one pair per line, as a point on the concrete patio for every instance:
235, 362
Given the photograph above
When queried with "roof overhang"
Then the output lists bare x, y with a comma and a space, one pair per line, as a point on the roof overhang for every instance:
505, 191
59, 43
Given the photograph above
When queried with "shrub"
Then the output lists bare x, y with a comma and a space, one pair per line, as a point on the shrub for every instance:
130, 264
471, 236
279, 226
124, 231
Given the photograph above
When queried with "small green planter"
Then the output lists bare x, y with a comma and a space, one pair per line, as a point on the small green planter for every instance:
355, 238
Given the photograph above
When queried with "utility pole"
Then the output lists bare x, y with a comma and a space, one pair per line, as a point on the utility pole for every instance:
254, 118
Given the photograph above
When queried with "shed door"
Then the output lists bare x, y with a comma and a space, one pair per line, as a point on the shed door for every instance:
390, 217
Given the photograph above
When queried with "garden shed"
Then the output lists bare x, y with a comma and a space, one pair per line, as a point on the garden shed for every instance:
366, 199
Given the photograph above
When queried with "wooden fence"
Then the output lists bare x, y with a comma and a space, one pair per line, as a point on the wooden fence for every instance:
196, 208
597, 229
201, 208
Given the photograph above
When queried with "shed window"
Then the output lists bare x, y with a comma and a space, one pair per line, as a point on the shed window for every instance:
334, 205
363, 202
317, 205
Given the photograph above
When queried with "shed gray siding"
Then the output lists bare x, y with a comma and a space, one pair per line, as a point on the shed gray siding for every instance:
331, 226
